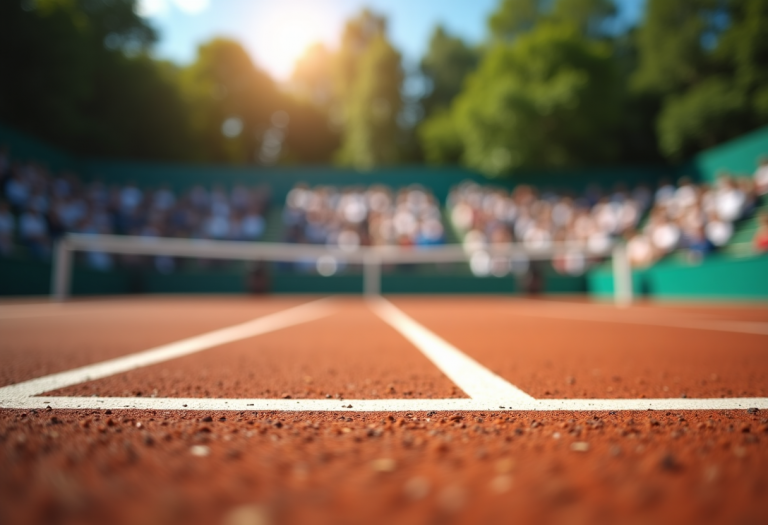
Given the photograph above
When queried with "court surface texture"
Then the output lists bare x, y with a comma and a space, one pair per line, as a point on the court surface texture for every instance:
240, 410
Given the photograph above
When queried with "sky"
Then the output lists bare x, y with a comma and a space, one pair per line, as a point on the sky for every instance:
276, 32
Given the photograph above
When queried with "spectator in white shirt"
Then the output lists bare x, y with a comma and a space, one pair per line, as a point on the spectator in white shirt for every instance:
729, 199
761, 176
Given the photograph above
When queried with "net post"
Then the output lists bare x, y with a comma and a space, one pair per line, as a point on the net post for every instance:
61, 271
371, 275
622, 276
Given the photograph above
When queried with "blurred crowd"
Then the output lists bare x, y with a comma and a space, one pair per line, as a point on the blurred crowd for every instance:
353, 217
483, 216
695, 218
37, 206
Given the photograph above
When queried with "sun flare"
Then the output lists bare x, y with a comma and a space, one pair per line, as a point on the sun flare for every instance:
290, 36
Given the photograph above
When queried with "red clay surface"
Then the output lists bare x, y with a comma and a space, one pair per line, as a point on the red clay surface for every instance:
547, 356
42, 340
287, 468
752, 312
269, 468
350, 354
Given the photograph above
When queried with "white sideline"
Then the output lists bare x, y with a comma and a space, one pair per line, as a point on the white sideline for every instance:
473, 378
268, 323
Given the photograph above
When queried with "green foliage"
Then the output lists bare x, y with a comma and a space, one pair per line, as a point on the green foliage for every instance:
708, 61
548, 99
223, 83
73, 68
440, 139
370, 123
701, 115
514, 18
446, 65
351, 97
552, 86
588, 15
670, 44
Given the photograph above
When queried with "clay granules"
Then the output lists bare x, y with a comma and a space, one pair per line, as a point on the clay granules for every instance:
272, 468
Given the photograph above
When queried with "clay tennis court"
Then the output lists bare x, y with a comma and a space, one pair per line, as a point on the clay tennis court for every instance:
397, 410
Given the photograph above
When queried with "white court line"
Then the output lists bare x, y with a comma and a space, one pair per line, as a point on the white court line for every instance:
378, 405
268, 323
473, 378
488, 391
744, 327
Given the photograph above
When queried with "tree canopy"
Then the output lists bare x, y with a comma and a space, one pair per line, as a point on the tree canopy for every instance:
528, 103
707, 60
555, 83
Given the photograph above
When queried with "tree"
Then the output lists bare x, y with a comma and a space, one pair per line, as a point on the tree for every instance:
447, 62
590, 16
440, 139
367, 82
514, 18
231, 102
312, 77
547, 99
707, 60
73, 67
370, 125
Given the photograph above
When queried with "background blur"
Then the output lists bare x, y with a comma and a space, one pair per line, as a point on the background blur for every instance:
496, 85
353, 123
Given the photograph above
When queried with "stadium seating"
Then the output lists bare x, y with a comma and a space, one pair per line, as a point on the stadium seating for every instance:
352, 217
37, 207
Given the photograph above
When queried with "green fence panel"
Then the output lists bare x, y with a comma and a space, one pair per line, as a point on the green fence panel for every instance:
22, 147
24, 277
718, 277
439, 180
202, 283
737, 156
288, 283
31, 277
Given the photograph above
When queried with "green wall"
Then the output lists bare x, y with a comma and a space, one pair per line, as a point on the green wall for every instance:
439, 179
23, 147
738, 156
717, 277
25, 277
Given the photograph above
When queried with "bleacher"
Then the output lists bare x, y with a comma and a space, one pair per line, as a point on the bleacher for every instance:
449, 278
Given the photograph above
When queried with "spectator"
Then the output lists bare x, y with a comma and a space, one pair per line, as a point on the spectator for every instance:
761, 176
718, 231
698, 244
729, 199
43, 207
33, 233
7, 228
480, 215
355, 217
640, 250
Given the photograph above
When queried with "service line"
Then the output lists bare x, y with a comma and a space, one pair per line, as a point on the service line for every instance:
473, 378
